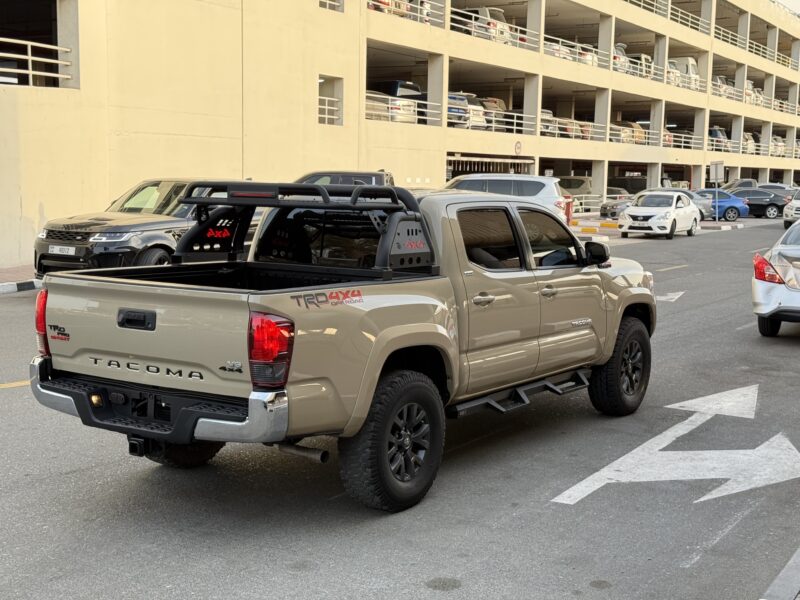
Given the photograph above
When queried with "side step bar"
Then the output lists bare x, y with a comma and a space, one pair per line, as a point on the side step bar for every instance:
507, 400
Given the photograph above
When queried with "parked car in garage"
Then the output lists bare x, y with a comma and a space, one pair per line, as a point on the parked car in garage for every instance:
776, 284
687, 66
496, 119
403, 99
628, 132
718, 139
544, 191
457, 110
748, 143
620, 60
558, 50
547, 123
483, 22
739, 183
764, 203
378, 106
661, 212
476, 111
717, 203
673, 75
641, 65
587, 54
778, 146
722, 86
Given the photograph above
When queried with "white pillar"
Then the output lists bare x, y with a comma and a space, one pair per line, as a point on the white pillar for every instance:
657, 123
660, 53
599, 177
698, 177
438, 82
532, 98
653, 175
602, 109
605, 36
701, 123
535, 18
744, 26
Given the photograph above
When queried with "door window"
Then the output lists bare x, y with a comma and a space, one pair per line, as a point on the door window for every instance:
472, 185
527, 188
500, 186
551, 244
489, 238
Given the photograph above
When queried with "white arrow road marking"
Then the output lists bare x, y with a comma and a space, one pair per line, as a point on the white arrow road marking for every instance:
774, 461
671, 297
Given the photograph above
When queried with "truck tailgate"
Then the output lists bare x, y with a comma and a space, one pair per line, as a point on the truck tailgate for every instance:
157, 335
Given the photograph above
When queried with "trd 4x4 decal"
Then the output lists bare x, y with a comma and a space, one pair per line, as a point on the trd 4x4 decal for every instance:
334, 298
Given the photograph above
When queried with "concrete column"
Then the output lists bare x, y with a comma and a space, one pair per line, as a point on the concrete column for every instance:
741, 77
657, 111
438, 82
733, 173
708, 11
766, 140
794, 90
788, 177
701, 123
773, 34
698, 180
660, 53
599, 177
763, 175
769, 86
653, 175
737, 129
791, 141
605, 36
796, 50
69, 37
744, 26
532, 98
535, 18
704, 65
602, 109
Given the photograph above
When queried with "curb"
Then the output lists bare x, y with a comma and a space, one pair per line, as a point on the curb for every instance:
715, 227
594, 238
20, 286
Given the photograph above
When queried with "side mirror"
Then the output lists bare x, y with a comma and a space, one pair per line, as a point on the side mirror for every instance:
597, 253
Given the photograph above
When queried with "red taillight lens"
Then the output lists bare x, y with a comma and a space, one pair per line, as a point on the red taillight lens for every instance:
41, 323
270, 341
559, 204
764, 271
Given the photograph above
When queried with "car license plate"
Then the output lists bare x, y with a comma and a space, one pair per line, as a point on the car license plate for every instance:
65, 250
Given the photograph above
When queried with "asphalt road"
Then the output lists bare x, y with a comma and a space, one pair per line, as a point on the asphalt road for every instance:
82, 519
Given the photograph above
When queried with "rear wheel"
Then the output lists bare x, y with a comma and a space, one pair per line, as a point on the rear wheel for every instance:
391, 463
768, 327
152, 257
184, 456
617, 388
693, 229
731, 214
772, 212
671, 233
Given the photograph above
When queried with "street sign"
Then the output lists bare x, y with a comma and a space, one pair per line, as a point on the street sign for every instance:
716, 171
774, 461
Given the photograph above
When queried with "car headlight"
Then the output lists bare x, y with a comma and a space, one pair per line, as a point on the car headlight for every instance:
42, 234
663, 217
623, 216
114, 236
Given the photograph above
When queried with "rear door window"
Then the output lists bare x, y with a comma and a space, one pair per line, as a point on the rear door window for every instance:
500, 186
489, 238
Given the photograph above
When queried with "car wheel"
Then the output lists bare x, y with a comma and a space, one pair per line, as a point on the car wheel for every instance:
671, 233
693, 229
185, 456
702, 216
153, 257
731, 214
768, 327
787, 224
390, 464
772, 212
624, 235
617, 388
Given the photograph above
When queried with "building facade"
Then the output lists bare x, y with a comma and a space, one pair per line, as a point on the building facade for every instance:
96, 95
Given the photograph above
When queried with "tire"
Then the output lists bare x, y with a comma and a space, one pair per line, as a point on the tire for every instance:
768, 327
185, 456
152, 257
702, 216
624, 235
671, 233
731, 214
365, 464
693, 229
787, 224
617, 388
772, 212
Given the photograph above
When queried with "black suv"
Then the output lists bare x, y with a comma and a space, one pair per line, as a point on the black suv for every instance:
140, 228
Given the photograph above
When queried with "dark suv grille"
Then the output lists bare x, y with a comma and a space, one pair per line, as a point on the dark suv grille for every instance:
67, 236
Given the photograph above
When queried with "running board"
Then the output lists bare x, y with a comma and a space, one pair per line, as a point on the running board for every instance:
507, 400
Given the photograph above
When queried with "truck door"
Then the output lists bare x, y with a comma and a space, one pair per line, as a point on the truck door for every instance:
573, 317
501, 297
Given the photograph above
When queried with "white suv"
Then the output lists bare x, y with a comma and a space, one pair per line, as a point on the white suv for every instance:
791, 212
660, 212
541, 190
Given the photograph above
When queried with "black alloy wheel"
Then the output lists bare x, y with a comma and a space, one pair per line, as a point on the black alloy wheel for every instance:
632, 368
409, 441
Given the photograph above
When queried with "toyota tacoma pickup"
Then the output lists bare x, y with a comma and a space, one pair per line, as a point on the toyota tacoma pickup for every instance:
364, 313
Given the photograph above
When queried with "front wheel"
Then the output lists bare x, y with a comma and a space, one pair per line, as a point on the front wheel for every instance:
787, 224
772, 212
768, 327
693, 229
731, 214
617, 388
624, 235
153, 257
391, 463
671, 233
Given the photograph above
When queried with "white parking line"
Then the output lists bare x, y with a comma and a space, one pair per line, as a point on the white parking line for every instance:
787, 583
748, 326
672, 268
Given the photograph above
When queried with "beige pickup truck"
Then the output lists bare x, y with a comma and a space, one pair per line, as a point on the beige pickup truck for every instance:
363, 313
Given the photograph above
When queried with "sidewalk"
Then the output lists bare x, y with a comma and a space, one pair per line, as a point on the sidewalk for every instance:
17, 279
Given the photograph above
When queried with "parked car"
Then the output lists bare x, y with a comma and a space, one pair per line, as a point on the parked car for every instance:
776, 186
664, 213
586, 54
778, 146
458, 114
496, 119
403, 99
619, 60
673, 75
740, 183
380, 177
477, 113
558, 50
378, 106
547, 123
752, 94
758, 97
483, 22
748, 143
544, 191
764, 203
687, 66
719, 139
641, 65
719, 204
791, 212
141, 227
576, 185
633, 183
722, 87
682, 138
628, 132
617, 200
776, 284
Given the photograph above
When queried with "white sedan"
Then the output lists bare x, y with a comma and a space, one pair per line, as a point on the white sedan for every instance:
776, 284
662, 212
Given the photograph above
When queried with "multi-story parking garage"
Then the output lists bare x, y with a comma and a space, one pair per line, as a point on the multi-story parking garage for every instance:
97, 96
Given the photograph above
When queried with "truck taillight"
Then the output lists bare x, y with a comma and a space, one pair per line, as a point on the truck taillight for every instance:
41, 323
764, 271
270, 343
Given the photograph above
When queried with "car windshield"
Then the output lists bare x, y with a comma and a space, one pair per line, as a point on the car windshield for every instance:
153, 197
792, 237
497, 15
654, 201
570, 183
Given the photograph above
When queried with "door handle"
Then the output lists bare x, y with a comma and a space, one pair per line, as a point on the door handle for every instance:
549, 291
483, 299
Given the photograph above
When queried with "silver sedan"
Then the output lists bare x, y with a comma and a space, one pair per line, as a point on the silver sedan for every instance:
776, 284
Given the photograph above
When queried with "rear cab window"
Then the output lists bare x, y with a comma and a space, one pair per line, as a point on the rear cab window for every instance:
489, 239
